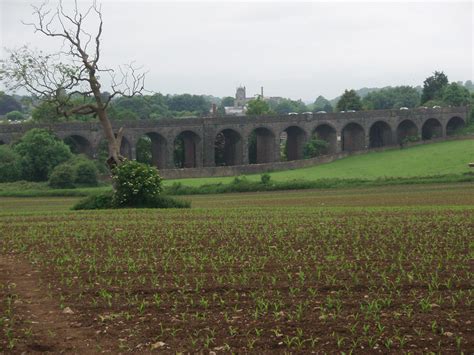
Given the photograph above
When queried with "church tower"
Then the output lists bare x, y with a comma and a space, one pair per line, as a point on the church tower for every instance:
240, 97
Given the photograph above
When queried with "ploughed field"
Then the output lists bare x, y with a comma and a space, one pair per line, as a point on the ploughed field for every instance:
298, 272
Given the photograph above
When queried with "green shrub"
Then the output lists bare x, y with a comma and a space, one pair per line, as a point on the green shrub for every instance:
41, 151
14, 116
314, 148
106, 200
85, 172
100, 201
136, 184
10, 169
62, 177
162, 201
265, 178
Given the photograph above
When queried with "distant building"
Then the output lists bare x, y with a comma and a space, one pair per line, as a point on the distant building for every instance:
234, 111
241, 101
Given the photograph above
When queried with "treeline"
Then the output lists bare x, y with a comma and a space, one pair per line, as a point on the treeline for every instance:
154, 106
436, 91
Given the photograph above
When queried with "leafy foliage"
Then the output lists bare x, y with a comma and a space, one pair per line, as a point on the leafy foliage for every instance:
46, 112
99, 201
62, 177
349, 101
40, 152
455, 95
433, 86
107, 200
258, 107
322, 104
136, 184
227, 101
265, 178
14, 116
388, 98
314, 147
10, 169
8, 104
286, 106
85, 172
187, 102
144, 146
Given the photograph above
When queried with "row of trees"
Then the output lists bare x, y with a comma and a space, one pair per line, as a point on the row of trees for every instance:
437, 91
124, 108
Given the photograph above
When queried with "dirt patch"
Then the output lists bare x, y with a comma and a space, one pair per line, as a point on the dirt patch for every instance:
40, 323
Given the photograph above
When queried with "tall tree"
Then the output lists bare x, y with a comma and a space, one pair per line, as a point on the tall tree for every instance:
228, 101
8, 104
74, 70
258, 107
456, 95
396, 97
322, 104
349, 101
433, 86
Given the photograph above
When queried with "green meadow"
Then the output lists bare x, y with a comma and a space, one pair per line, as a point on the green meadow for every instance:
424, 160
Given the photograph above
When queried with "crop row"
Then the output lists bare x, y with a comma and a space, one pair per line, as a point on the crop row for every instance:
260, 279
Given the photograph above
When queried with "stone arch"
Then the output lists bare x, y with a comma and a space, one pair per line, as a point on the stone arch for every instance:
79, 144
228, 148
431, 129
292, 141
454, 124
327, 133
185, 150
151, 149
261, 146
380, 135
353, 137
406, 128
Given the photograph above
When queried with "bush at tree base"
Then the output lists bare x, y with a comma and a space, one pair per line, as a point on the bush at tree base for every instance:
135, 183
106, 200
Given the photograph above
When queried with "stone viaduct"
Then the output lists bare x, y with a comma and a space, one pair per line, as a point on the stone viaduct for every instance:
219, 141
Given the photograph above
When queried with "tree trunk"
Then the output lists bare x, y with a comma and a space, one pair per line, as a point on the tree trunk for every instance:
113, 142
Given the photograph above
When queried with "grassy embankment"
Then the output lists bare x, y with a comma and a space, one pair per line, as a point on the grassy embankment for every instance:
433, 163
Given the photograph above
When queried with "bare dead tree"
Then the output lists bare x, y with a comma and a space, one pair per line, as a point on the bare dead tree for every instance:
74, 70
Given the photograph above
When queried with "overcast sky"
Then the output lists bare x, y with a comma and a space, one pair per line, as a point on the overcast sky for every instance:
293, 49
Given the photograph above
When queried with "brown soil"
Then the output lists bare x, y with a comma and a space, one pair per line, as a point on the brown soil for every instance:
43, 325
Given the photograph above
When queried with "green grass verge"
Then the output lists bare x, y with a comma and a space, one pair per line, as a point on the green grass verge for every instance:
246, 185
441, 158
41, 189
444, 162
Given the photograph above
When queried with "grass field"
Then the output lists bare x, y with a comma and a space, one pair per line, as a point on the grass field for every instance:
444, 162
423, 160
379, 270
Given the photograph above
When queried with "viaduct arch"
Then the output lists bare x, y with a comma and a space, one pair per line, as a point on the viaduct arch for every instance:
230, 141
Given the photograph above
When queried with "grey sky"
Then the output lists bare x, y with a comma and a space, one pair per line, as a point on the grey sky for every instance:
296, 50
